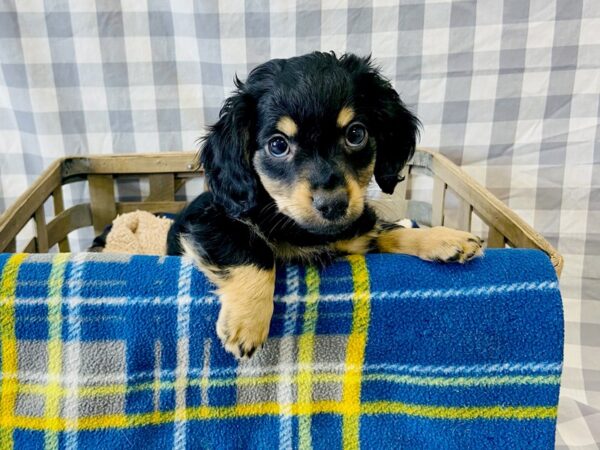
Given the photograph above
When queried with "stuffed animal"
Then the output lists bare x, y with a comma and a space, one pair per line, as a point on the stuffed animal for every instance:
138, 232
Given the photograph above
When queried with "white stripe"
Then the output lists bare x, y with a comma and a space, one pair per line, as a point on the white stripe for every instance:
337, 367
204, 399
483, 291
480, 369
286, 356
157, 373
117, 301
73, 351
183, 348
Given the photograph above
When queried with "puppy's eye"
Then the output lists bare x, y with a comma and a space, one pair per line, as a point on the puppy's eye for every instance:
278, 146
356, 135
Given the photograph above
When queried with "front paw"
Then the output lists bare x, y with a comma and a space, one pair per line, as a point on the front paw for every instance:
448, 245
246, 294
243, 331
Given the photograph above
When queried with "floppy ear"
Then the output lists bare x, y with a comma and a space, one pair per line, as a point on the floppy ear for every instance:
226, 155
394, 128
396, 139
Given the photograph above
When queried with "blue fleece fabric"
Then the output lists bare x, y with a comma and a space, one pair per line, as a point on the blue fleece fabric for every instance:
387, 351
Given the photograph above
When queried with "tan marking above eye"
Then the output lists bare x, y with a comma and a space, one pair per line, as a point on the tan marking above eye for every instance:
345, 116
287, 126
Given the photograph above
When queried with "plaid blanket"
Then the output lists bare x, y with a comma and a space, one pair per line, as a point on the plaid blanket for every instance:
387, 351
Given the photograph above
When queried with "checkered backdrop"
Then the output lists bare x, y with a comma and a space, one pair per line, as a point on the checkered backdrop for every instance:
509, 90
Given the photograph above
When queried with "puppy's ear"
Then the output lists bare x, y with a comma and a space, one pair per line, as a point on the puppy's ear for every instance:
396, 138
394, 128
226, 155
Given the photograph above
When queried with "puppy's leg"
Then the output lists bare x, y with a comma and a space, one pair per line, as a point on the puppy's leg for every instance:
242, 267
432, 244
246, 294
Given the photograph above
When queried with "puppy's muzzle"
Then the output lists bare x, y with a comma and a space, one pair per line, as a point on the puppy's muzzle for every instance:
332, 205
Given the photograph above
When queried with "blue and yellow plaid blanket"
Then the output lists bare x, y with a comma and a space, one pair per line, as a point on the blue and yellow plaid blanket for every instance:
387, 351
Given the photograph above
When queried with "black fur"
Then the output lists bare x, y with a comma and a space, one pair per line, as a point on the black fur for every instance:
237, 222
226, 158
224, 242
394, 127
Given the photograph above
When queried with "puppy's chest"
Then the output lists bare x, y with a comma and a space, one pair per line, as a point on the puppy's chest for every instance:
286, 253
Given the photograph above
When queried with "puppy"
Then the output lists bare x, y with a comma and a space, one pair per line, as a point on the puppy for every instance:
287, 167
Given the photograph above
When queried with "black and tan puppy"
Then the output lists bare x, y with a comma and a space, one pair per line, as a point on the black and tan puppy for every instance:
287, 166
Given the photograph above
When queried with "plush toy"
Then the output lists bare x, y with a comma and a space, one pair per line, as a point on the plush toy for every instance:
138, 232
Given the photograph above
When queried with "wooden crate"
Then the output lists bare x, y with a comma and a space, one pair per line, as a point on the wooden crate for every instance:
167, 172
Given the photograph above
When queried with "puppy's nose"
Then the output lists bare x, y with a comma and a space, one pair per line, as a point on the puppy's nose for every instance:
331, 205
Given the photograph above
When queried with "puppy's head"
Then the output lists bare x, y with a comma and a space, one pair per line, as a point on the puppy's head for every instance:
311, 132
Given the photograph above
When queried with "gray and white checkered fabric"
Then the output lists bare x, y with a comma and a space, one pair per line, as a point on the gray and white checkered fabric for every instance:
509, 90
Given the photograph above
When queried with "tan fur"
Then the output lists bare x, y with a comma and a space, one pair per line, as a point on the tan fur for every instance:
296, 201
356, 197
246, 296
287, 126
213, 273
432, 244
345, 116
356, 246
299, 201
365, 175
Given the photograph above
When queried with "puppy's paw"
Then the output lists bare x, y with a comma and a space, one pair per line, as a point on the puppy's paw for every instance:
246, 295
241, 331
447, 245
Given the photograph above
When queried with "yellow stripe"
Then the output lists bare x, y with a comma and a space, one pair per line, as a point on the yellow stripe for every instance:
305, 355
461, 412
54, 392
273, 408
356, 352
8, 340
119, 389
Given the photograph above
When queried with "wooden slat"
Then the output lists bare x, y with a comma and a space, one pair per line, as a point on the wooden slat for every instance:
40, 230
11, 247
399, 195
162, 187
153, 207
422, 160
71, 219
491, 210
495, 238
31, 246
18, 214
102, 201
59, 207
143, 163
57, 200
179, 182
464, 215
437, 204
